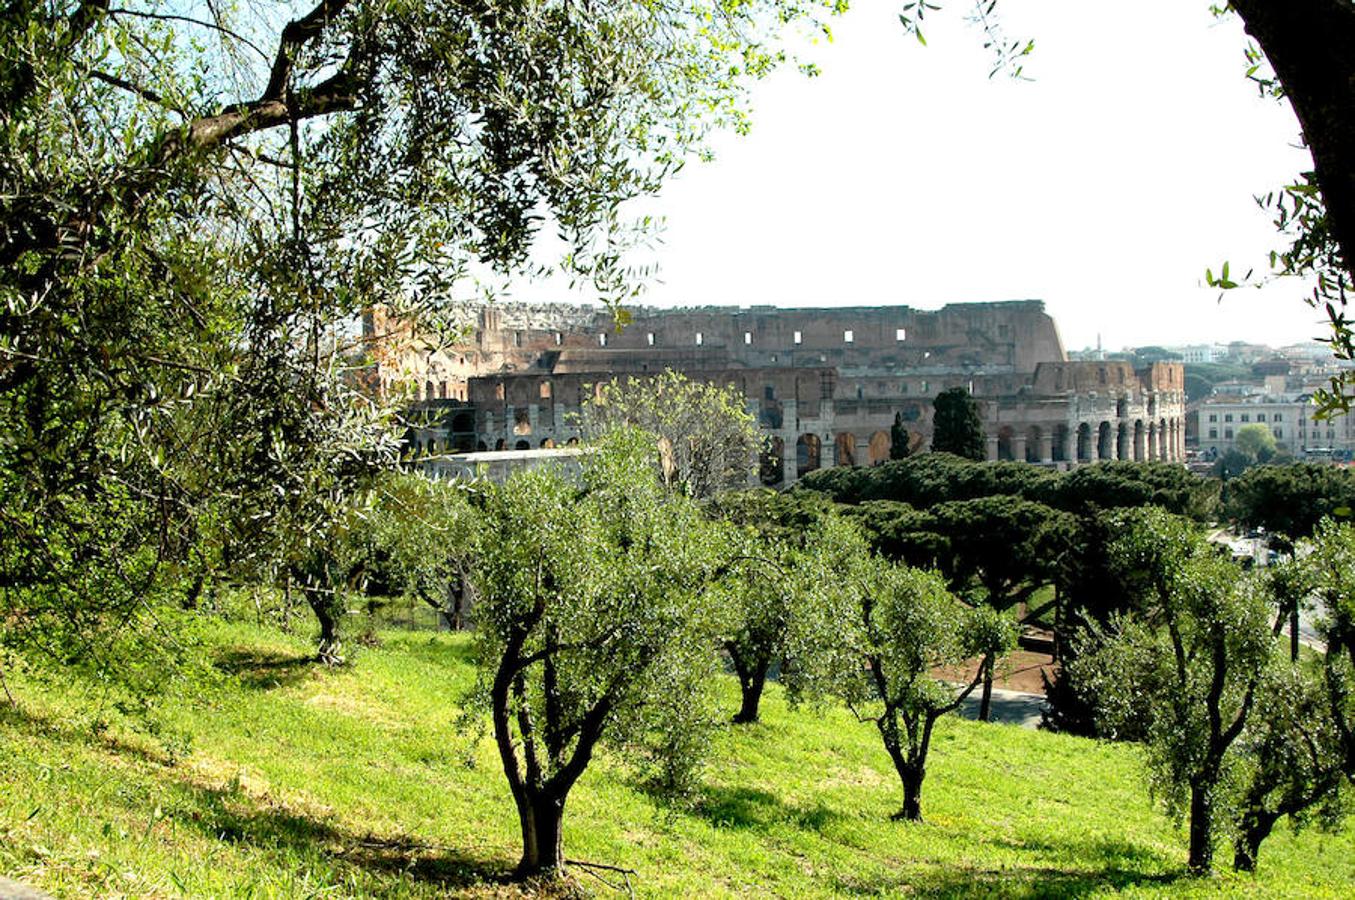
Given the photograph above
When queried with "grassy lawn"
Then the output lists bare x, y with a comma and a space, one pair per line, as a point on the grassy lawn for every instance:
353, 783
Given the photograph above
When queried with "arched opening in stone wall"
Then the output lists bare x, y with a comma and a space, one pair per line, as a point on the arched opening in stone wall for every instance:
845, 445
1105, 440
572, 442
771, 471
1164, 446
1084, 442
879, 448
1059, 452
463, 443
1004, 443
522, 423
481, 446
1034, 444
500, 444
547, 444
806, 454
522, 445
1123, 448
463, 422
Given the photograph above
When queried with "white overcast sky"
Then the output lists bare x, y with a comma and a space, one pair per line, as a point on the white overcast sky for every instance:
904, 175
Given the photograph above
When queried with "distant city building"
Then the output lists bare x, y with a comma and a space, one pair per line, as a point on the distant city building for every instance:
825, 384
1200, 353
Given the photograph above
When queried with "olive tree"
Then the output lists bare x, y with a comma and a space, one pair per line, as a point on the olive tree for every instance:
789, 550
1301, 751
1184, 672
889, 630
594, 623
424, 535
709, 440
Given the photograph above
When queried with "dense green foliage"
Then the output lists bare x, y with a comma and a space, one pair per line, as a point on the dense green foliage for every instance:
790, 552
709, 440
956, 426
197, 202
931, 478
1289, 501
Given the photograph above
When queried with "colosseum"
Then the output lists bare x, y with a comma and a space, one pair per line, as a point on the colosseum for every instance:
825, 384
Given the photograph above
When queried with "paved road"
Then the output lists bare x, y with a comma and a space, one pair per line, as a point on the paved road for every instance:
1009, 707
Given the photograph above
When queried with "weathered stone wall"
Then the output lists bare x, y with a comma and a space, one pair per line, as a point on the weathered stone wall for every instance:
825, 384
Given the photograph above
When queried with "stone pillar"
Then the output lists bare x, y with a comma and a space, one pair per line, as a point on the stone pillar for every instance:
1045, 451
1096, 444
790, 426
1152, 442
992, 448
1019, 447
564, 428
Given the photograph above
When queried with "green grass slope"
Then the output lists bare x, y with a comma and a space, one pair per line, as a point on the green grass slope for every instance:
355, 783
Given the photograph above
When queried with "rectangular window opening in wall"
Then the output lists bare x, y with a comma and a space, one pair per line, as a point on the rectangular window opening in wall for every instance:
699, 339
1213, 433
1279, 432
649, 339
559, 338
900, 334
545, 390
602, 339
517, 339
1228, 433
1213, 417
748, 337
1260, 417
848, 336
798, 338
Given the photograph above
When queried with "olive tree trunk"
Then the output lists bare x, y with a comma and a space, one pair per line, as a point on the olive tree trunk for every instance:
1201, 860
752, 676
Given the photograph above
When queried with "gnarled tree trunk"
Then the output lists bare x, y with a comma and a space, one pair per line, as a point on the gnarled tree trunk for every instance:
329, 650
1201, 860
752, 676
541, 817
1255, 828
1308, 43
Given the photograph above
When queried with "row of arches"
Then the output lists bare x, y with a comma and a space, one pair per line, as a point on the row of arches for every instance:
462, 444
1162, 439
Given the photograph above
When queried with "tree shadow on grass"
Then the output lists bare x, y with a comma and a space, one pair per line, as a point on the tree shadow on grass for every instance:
229, 816
1100, 865
439, 649
750, 808
264, 669
78, 731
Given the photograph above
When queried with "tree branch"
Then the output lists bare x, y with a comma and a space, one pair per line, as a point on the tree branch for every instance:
294, 36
